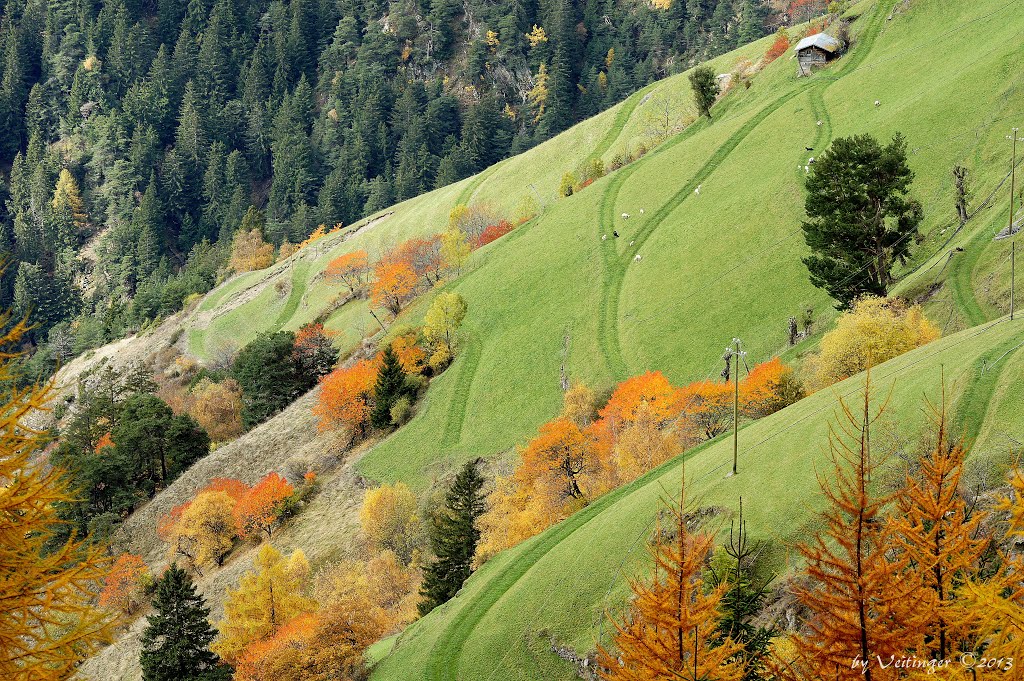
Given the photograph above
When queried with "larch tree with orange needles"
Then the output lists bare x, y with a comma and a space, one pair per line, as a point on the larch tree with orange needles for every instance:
349, 269
345, 397
258, 510
47, 621
393, 286
940, 537
125, 585
672, 628
860, 606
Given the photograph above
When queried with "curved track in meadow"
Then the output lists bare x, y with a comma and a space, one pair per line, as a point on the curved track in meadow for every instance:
615, 265
468, 363
442, 663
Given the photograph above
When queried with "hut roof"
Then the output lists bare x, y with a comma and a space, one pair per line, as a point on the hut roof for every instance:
820, 40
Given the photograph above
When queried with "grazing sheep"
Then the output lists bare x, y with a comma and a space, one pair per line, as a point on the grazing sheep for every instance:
819, 124
641, 211
878, 103
604, 237
810, 161
615, 233
632, 242
636, 258
807, 169
697, 190
625, 216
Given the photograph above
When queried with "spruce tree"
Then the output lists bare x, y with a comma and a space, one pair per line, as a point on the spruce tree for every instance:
453, 537
389, 388
175, 645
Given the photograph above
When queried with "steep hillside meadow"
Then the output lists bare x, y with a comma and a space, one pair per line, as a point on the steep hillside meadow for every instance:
708, 248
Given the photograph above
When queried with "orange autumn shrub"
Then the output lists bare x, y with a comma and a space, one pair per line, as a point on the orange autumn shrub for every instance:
779, 47
345, 397
124, 587
393, 286
258, 510
410, 355
349, 269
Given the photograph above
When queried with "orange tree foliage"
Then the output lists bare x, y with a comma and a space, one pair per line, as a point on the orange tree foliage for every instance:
349, 269
392, 286
557, 461
345, 397
104, 442
672, 629
778, 47
860, 606
940, 537
217, 407
259, 508
492, 233
266, 598
653, 389
513, 515
410, 355
643, 445
249, 252
47, 622
708, 408
770, 387
422, 255
124, 586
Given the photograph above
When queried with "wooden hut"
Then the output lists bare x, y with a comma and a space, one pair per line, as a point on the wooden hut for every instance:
816, 50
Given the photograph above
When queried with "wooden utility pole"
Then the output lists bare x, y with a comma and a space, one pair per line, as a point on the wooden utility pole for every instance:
1009, 230
737, 356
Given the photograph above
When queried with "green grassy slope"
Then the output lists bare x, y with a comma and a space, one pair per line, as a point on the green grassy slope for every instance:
557, 585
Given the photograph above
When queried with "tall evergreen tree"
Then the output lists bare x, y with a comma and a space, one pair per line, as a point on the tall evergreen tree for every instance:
453, 537
175, 644
390, 387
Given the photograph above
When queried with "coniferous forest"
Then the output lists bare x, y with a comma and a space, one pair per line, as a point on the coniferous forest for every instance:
134, 136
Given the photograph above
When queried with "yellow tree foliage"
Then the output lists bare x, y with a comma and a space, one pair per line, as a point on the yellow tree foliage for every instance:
643, 445
249, 252
538, 95
513, 515
671, 630
860, 606
218, 408
66, 194
442, 321
383, 587
264, 600
939, 534
47, 621
205, 531
536, 36
287, 250
455, 248
873, 331
579, 405
390, 520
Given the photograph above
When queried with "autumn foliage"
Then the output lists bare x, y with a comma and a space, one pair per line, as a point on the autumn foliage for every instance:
492, 233
577, 457
345, 397
124, 587
349, 269
48, 623
259, 508
778, 47
393, 286
249, 252
671, 630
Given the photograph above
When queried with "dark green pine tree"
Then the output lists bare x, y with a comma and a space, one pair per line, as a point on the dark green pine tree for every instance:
453, 538
390, 387
175, 645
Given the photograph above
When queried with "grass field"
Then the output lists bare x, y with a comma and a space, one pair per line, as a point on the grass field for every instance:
557, 585
711, 250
